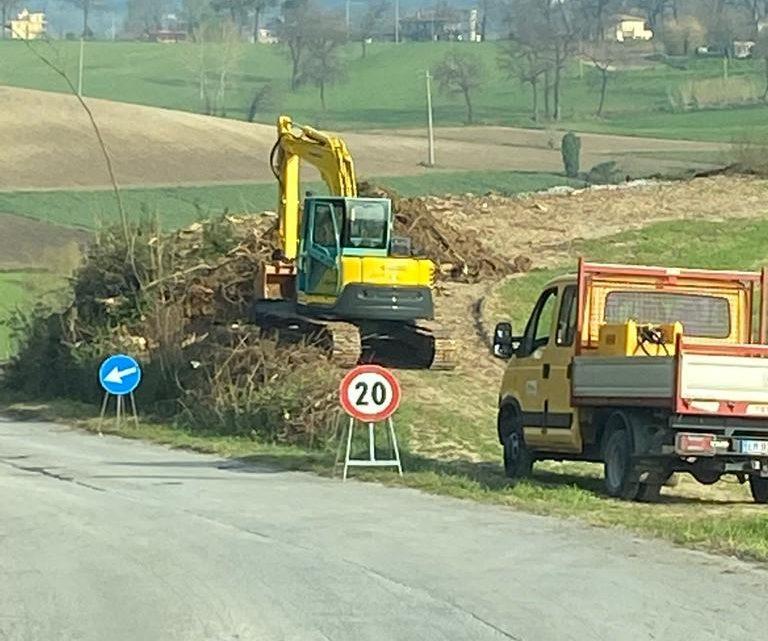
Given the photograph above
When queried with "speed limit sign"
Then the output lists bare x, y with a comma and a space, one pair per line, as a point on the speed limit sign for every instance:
369, 393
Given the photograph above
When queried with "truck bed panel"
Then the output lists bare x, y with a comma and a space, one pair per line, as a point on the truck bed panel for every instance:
624, 377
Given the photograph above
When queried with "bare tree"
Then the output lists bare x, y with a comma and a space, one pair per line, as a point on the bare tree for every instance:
87, 6
145, 15
323, 66
6, 9
594, 14
372, 20
297, 26
655, 10
460, 72
548, 33
216, 53
259, 7
262, 98
195, 12
601, 58
524, 64
760, 51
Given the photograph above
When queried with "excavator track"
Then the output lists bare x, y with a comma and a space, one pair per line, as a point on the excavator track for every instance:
340, 340
444, 349
426, 345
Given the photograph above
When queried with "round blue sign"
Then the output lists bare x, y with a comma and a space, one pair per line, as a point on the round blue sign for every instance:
120, 374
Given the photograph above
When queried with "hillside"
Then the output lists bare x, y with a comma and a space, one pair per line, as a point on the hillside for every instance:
152, 146
386, 89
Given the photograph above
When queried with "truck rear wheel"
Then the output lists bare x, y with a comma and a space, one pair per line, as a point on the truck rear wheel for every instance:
518, 460
649, 492
620, 479
759, 488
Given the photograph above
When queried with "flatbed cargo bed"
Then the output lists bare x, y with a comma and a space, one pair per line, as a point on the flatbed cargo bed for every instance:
730, 380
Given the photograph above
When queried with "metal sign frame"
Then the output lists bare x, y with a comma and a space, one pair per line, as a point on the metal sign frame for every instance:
383, 417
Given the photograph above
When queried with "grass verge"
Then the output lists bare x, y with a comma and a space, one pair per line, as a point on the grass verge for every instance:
563, 490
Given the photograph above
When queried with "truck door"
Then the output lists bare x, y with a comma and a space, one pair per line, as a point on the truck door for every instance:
561, 426
530, 367
320, 253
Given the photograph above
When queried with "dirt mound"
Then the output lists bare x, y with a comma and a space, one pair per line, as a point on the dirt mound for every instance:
545, 226
458, 250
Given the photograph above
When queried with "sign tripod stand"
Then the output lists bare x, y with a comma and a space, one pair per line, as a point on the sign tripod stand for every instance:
372, 461
119, 376
370, 395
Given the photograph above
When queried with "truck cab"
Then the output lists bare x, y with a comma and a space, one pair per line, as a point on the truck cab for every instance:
649, 370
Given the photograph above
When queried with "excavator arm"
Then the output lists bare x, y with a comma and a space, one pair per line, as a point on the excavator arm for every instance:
328, 154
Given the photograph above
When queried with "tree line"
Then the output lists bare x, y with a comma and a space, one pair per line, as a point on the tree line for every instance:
541, 37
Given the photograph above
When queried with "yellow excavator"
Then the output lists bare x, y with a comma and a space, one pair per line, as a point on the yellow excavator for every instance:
340, 277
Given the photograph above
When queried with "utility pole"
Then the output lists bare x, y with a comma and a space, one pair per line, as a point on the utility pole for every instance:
430, 128
346, 8
80, 70
397, 21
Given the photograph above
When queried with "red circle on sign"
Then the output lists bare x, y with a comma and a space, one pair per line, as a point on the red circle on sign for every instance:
359, 377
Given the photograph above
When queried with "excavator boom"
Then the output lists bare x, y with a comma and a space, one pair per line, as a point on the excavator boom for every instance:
327, 153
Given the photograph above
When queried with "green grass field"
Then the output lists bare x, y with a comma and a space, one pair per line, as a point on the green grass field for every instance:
19, 289
386, 89
178, 206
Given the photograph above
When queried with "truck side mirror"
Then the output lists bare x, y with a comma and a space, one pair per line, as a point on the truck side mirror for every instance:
504, 344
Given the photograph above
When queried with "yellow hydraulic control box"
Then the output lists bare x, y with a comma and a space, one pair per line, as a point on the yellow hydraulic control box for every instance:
631, 339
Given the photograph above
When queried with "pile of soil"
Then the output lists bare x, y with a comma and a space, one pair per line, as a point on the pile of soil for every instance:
457, 249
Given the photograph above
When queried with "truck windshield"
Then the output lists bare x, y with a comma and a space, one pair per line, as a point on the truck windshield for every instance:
367, 225
703, 316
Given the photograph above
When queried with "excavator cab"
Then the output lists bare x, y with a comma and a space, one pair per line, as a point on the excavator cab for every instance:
345, 267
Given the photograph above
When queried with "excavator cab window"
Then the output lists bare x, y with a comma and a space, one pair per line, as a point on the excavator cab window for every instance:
323, 231
366, 225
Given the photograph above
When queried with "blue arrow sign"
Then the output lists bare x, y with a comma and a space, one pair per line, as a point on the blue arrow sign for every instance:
120, 374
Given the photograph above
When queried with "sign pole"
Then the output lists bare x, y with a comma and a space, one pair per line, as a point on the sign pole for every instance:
133, 407
103, 411
395, 449
349, 446
430, 127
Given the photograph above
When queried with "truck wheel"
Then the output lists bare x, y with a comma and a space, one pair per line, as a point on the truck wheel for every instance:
648, 492
518, 461
619, 473
759, 488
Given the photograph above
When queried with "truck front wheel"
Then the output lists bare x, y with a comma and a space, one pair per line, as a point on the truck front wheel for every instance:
620, 481
518, 461
759, 488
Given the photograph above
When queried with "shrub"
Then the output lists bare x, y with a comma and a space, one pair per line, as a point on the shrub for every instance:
605, 173
570, 150
714, 92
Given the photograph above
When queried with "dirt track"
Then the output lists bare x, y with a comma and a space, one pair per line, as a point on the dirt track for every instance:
152, 146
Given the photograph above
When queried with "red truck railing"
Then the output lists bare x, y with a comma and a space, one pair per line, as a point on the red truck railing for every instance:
587, 272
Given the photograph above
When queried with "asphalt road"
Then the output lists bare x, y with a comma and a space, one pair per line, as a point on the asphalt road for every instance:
105, 539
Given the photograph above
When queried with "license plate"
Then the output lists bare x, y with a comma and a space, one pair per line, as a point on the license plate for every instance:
754, 447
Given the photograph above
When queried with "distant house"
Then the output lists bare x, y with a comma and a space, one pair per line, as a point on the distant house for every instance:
743, 48
631, 28
428, 24
28, 25
167, 36
267, 36
170, 30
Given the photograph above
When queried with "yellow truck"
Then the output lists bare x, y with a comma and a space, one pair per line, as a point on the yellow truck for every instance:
648, 370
